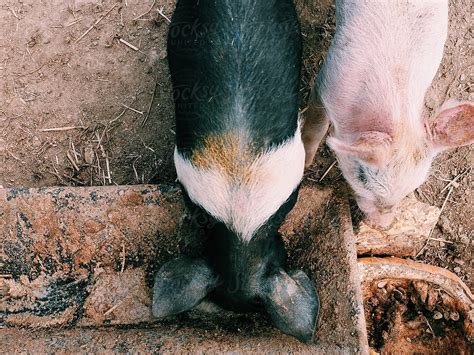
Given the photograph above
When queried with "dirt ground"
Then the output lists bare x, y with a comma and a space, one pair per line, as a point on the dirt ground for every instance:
93, 106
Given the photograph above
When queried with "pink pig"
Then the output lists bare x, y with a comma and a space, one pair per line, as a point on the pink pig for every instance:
371, 87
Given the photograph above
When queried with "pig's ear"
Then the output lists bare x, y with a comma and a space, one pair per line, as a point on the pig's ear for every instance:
292, 303
453, 126
372, 147
181, 284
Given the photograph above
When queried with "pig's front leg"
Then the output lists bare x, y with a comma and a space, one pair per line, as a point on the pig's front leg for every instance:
315, 127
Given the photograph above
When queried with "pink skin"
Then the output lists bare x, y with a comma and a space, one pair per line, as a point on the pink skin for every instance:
378, 216
382, 169
371, 87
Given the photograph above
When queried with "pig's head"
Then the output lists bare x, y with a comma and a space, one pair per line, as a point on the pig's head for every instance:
240, 276
383, 167
238, 199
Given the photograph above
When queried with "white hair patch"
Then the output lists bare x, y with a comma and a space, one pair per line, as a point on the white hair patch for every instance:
245, 204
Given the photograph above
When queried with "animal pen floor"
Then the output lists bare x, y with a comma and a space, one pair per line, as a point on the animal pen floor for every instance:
92, 106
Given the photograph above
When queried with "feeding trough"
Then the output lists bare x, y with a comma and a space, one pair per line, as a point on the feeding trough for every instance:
83, 259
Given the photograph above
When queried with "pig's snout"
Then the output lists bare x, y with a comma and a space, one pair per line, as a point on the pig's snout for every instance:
383, 220
377, 215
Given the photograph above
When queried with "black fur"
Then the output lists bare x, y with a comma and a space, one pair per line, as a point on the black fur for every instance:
361, 175
235, 65
240, 276
244, 268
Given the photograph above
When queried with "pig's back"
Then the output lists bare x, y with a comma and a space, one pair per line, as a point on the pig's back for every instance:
240, 63
382, 60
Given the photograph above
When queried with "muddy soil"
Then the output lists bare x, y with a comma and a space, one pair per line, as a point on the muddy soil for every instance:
82, 105
399, 320
86, 257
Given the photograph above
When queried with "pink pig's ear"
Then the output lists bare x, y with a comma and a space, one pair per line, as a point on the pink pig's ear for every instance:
453, 126
372, 147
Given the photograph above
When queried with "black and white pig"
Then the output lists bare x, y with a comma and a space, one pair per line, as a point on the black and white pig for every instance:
371, 87
235, 69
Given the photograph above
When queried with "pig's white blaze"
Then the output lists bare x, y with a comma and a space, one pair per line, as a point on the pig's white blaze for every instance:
246, 200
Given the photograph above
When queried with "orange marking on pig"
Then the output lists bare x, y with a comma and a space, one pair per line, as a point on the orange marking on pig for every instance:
229, 152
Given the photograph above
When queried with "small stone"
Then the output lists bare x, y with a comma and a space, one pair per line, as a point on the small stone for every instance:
89, 154
162, 55
408, 340
454, 316
382, 284
459, 261
24, 280
374, 301
457, 269
437, 315
422, 288
390, 288
36, 141
445, 225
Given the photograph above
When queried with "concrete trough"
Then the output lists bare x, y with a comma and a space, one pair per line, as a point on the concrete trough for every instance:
77, 264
